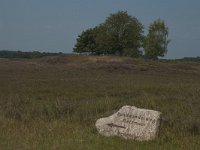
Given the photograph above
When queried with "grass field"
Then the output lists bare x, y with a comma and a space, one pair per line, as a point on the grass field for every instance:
52, 103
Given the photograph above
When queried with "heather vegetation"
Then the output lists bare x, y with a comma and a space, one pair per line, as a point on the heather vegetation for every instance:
53, 102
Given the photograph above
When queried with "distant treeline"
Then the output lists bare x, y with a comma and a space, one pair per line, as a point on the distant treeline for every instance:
20, 54
190, 59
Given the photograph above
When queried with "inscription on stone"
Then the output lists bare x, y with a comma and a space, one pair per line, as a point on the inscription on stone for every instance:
130, 122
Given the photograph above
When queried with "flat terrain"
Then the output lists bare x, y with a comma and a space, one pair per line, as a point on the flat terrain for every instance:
52, 103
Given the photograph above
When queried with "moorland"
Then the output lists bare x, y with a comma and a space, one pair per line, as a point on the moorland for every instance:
53, 102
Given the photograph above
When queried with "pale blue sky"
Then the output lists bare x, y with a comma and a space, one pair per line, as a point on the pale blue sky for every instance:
53, 25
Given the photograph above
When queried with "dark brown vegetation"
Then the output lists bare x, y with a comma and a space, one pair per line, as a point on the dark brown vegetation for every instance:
53, 102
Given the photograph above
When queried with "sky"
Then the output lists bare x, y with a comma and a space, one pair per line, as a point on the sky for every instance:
53, 25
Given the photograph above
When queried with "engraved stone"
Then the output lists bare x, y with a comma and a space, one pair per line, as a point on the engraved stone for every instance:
131, 122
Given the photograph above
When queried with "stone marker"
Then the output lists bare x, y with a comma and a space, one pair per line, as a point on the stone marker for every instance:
131, 122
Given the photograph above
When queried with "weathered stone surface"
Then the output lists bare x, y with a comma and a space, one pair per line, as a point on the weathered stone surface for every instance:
131, 122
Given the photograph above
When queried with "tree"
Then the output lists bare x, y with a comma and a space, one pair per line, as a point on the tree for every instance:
86, 42
95, 41
120, 34
125, 32
155, 43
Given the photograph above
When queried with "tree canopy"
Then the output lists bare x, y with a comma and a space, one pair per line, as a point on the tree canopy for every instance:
126, 33
86, 42
157, 40
123, 35
120, 34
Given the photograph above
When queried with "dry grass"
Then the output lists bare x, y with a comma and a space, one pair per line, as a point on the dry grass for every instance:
53, 103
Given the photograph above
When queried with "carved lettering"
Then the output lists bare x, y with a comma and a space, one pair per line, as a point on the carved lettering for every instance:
131, 122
